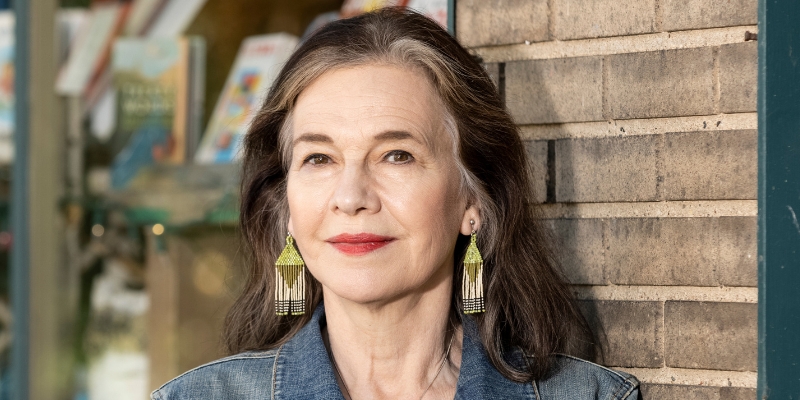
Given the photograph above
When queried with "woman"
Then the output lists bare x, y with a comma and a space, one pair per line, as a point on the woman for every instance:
384, 151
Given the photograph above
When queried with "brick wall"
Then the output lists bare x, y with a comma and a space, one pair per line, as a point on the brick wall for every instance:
639, 117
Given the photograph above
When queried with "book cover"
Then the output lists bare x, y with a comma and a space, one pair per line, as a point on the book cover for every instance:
257, 64
158, 98
351, 8
89, 54
6, 87
150, 78
6, 73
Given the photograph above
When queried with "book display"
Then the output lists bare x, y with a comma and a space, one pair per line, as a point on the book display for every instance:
6, 87
159, 95
257, 64
152, 79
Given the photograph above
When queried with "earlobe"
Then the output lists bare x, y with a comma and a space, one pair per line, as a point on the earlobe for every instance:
472, 214
289, 227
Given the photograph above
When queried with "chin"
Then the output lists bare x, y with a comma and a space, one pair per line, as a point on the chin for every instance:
363, 288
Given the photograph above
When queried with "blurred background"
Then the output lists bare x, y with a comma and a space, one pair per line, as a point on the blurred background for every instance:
135, 131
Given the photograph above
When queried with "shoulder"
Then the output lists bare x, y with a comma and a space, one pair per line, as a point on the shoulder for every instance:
242, 376
580, 379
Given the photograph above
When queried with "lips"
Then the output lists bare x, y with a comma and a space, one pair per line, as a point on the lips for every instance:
359, 243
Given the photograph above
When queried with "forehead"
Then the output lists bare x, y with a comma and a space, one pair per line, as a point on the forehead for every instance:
370, 99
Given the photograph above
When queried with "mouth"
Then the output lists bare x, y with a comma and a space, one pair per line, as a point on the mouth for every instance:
359, 243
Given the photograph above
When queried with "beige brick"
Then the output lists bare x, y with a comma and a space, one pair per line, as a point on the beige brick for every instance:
661, 251
711, 335
492, 22
493, 69
734, 393
607, 169
537, 160
579, 246
738, 251
630, 332
576, 19
560, 90
710, 165
651, 391
681, 15
738, 77
660, 84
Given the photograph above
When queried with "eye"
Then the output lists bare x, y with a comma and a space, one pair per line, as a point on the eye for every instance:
399, 157
317, 159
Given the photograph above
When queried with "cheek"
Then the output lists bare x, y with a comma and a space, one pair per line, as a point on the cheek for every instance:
430, 210
306, 207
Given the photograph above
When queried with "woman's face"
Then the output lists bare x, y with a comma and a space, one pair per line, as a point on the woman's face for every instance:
373, 187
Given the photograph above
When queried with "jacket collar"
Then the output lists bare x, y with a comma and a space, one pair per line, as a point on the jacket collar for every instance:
304, 371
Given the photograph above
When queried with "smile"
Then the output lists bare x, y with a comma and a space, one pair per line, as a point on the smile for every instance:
359, 243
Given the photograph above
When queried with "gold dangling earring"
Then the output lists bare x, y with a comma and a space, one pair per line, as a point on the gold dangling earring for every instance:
472, 285
290, 286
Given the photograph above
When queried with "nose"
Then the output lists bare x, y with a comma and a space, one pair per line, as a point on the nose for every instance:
354, 193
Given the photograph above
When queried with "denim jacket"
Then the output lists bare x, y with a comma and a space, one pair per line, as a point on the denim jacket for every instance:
300, 369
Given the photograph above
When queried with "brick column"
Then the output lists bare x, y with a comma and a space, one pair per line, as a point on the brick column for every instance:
639, 120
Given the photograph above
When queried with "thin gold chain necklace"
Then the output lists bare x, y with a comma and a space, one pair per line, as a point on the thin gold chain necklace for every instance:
439, 371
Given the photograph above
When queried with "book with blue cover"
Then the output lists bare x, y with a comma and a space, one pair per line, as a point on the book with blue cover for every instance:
153, 78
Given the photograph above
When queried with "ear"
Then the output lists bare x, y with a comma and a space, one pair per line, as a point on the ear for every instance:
289, 227
472, 213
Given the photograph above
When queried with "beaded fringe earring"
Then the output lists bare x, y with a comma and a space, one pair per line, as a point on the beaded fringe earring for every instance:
290, 287
472, 285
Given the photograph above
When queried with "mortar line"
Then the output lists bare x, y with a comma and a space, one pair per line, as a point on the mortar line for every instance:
660, 209
693, 377
551, 172
714, 294
638, 127
698, 38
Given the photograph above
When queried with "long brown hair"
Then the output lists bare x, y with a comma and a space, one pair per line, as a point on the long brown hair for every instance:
528, 306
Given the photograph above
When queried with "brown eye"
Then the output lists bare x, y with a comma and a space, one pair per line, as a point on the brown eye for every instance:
398, 157
317, 159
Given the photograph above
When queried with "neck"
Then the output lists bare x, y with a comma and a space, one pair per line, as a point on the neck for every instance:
395, 349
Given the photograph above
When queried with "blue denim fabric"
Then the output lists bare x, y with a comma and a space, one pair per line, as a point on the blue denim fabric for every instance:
300, 369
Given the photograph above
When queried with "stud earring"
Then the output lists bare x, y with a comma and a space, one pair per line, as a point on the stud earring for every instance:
290, 294
472, 285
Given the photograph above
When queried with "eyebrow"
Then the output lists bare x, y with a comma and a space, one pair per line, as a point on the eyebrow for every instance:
395, 135
313, 138
383, 136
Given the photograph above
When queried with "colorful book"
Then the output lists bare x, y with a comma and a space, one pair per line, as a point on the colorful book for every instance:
351, 8
6, 86
256, 66
433, 9
153, 79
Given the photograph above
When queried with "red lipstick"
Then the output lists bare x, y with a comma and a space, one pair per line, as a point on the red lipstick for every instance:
359, 243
